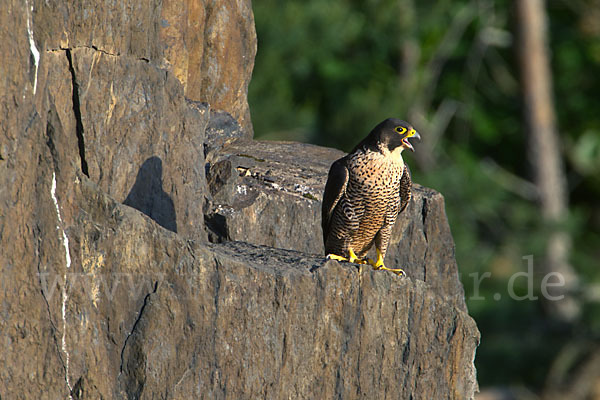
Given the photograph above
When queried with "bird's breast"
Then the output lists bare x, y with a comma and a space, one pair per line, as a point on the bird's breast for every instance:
376, 171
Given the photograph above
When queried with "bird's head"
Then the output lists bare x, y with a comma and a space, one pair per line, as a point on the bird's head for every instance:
395, 134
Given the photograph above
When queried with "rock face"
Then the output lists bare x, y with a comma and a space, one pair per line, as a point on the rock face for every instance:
269, 193
210, 46
150, 249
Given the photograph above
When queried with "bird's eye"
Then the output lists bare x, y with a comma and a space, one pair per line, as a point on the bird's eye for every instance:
400, 129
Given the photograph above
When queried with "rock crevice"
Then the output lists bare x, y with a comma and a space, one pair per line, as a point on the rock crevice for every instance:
77, 113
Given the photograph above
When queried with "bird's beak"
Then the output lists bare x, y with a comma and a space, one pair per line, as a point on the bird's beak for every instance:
411, 135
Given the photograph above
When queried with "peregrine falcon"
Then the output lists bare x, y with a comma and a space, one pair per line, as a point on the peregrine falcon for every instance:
365, 192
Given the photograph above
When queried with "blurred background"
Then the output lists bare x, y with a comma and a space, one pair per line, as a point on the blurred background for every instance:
506, 96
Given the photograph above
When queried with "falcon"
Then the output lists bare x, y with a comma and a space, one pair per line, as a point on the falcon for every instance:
365, 192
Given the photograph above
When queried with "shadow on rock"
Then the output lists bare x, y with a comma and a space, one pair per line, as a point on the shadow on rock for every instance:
147, 195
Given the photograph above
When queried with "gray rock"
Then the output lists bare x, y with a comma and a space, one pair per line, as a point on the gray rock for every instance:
165, 317
221, 130
144, 143
273, 199
210, 47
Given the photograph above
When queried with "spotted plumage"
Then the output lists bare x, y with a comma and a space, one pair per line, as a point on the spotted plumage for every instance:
365, 192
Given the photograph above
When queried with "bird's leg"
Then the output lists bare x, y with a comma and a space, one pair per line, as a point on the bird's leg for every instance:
379, 265
353, 258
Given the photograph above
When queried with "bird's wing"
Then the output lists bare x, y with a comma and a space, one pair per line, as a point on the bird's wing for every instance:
405, 186
337, 180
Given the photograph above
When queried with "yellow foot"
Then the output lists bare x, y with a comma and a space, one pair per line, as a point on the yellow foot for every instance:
353, 258
397, 271
336, 257
379, 265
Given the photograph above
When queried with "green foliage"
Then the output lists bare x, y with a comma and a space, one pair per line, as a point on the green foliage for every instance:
328, 71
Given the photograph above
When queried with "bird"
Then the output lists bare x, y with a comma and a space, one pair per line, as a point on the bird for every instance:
365, 192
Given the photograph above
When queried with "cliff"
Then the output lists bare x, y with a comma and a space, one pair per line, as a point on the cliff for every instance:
151, 249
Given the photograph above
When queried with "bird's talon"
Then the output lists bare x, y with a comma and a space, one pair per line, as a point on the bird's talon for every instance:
398, 271
373, 263
336, 257
354, 259
379, 265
